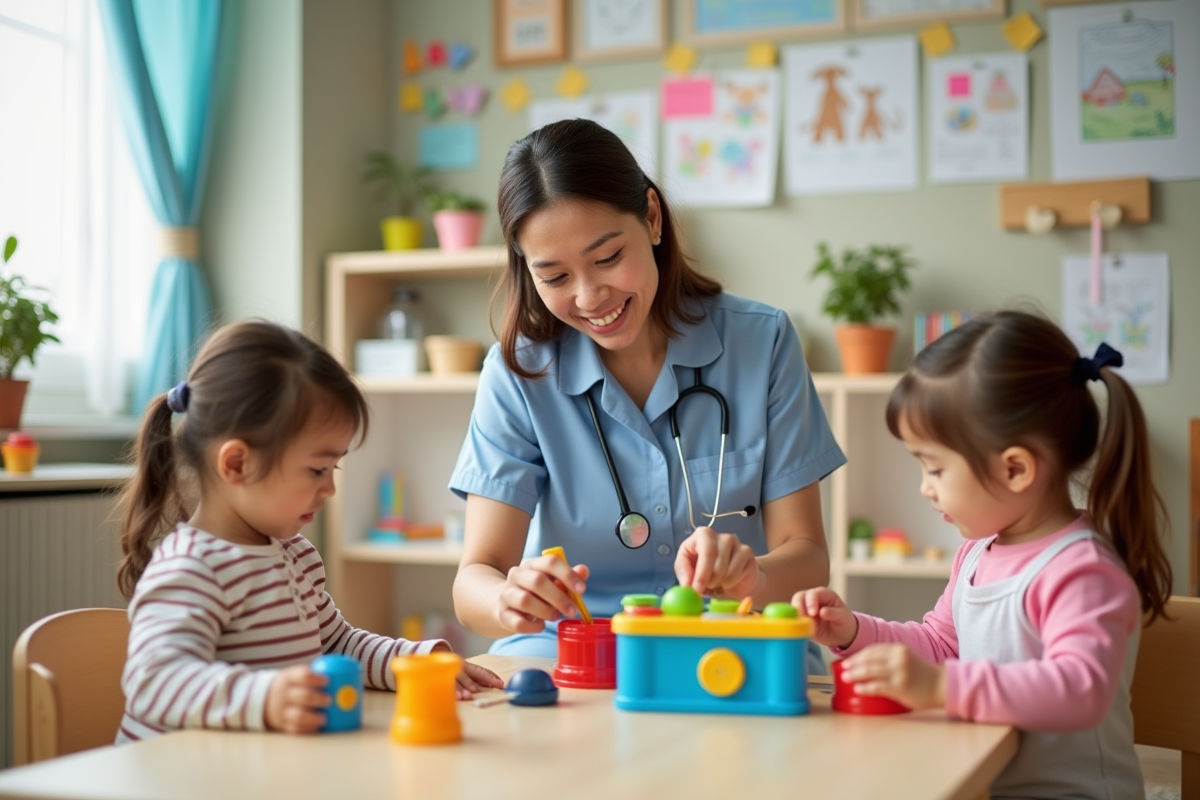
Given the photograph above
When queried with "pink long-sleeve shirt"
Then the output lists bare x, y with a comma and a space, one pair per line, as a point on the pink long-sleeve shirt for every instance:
1084, 607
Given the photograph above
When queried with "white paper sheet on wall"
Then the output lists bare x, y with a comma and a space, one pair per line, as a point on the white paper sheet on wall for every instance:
632, 116
978, 118
1134, 313
727, 156
851, 116
1125, 90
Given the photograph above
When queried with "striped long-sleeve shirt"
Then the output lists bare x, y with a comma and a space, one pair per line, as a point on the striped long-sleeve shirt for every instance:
212, 623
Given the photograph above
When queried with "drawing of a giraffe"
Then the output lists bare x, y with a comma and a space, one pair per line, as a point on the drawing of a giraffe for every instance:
872, 122
833, 103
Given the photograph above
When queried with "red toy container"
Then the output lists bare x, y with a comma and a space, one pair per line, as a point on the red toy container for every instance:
587, 655
846, 700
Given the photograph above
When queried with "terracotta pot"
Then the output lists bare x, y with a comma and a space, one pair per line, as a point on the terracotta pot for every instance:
12, 401
864, 348
458, 230
401, 233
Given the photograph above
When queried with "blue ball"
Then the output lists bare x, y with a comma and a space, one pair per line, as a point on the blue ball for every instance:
532, 687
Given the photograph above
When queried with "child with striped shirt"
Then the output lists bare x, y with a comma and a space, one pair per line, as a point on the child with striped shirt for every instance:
229, 608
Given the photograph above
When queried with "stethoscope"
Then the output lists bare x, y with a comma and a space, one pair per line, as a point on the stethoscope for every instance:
633, 529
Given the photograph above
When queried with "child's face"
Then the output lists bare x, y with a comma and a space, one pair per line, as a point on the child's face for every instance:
286, 499
977, 510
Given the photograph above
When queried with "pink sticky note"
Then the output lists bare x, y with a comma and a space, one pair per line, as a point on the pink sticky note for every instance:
959, 84
687, 97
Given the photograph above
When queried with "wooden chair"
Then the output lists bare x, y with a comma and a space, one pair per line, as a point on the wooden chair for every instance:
67, 683
1166, 688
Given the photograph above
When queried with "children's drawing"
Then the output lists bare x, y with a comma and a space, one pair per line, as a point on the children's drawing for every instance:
1125, 90
724, 153
1127, 73
1134, 316
978, 118
632, 116
850, 116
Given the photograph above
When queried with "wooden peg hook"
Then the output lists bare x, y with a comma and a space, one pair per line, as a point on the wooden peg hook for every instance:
1109, 214
1039, 219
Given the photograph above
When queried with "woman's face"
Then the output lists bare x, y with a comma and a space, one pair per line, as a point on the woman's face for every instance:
594, 267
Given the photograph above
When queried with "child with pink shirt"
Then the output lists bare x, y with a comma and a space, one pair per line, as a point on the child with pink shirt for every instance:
1039, 624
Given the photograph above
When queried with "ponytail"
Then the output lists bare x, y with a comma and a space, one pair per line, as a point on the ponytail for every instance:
151, 502
1122, 499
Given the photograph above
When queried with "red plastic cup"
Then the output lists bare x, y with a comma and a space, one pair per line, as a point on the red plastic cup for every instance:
848, 701
587, 655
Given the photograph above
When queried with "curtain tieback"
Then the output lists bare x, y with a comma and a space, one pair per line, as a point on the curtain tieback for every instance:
179, 242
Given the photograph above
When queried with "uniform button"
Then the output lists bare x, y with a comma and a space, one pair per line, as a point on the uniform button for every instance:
661, 510
664, 549
659, 590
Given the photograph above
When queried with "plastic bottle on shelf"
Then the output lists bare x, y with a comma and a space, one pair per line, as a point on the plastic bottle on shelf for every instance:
403, 319
399, 350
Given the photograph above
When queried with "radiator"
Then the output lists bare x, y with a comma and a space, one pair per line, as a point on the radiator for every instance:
57, 552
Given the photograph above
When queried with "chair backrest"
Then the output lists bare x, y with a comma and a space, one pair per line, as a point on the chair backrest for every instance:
67, 683
1166, 688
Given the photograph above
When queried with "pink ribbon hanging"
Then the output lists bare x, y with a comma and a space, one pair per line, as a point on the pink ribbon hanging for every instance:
1097, 253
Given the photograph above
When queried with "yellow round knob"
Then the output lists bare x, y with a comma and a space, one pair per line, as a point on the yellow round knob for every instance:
721, 672
346, 697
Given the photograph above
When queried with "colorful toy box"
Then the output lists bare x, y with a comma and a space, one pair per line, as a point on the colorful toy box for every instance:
713, 663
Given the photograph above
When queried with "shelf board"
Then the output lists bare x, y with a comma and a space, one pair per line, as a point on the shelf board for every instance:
423, 383
881, 383
436, 551
909, 568
429, 262
67, 477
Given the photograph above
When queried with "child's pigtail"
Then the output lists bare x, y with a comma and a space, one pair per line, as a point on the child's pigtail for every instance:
151, 497
1122, 499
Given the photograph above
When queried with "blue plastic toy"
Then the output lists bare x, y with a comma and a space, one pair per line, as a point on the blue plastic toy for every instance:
345, 688
529, 687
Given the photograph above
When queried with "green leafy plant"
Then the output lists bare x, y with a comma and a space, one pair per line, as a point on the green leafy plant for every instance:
402, 185
21, 319
864, 282
453, 201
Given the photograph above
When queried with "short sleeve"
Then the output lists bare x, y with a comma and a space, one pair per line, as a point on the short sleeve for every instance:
501, 458
800, 445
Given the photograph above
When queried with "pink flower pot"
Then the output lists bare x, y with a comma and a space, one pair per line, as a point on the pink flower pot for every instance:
458, 230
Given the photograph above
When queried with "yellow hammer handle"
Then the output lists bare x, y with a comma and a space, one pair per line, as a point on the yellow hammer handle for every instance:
576, 599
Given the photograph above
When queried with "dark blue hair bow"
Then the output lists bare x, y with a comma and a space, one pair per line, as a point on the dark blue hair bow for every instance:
177, 398
1088, 369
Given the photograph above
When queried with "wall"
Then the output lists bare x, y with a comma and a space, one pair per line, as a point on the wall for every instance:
966, 260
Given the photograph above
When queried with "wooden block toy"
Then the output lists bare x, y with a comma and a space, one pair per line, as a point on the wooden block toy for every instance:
426, 701
345, 687
721, 661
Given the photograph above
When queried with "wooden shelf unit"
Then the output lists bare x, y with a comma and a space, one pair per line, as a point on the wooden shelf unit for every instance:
418, 424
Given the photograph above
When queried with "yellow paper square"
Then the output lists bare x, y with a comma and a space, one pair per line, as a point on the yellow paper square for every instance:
937, 40
1022, 31
762, 54
516, 94
680, 59
573, 82
411, 97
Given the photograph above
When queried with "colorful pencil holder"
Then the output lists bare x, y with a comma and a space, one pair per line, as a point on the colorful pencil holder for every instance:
587, 655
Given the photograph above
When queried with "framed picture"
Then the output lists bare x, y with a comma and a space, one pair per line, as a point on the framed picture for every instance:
529, 31
608, 29
721, 22
866, 15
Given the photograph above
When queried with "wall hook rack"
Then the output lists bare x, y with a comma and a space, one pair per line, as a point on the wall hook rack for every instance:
1041, 207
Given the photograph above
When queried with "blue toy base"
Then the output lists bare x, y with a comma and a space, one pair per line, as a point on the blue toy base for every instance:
774, 709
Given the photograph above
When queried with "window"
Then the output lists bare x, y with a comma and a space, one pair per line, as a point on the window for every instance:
71, 195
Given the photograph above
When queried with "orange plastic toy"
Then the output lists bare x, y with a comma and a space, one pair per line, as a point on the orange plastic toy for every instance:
426, 709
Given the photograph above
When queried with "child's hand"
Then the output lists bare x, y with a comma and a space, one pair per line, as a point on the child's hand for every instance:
836, 624
295, 700
892, 670
475, 678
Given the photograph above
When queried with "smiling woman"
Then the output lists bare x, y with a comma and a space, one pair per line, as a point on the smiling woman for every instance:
606, 327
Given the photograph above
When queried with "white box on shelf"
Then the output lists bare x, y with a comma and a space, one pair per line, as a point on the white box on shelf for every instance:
387, 358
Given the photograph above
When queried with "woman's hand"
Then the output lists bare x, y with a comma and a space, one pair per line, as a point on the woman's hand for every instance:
534, 593
717, 563
836, 625
892, 670
295, 700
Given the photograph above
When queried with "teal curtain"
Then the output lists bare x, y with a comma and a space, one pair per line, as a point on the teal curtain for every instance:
164, 56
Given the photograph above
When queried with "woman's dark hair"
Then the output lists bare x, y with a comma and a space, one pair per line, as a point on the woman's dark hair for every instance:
1012, 379
255, 381
580, 160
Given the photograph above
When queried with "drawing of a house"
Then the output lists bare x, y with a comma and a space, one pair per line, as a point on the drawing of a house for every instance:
1106, 90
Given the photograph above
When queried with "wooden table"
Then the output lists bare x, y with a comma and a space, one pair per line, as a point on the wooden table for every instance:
580, 749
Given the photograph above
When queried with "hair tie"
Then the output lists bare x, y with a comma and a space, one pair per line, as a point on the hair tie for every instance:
1088, 369
177, 398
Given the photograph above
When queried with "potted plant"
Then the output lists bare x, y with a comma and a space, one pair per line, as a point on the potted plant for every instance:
865, 283
457, 218
21, 334
402, 185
